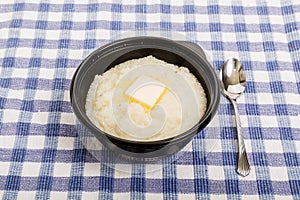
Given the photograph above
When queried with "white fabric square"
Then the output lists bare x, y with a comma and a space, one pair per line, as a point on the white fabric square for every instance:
254, 37
205, 36
176, 3
30, 15
31, 169
288, 76
80, 17
67, 118
123, 170
248, 145
129, 17
43, 95
10, 116
268, 121
218, 197
283, 197
264, 98
213, 145
177, 18
273, 146
46, 73
247, 197
23, 52
92, 169
67, 99
202, 18
244, 120
121, 196
295, 122
78, 35
152, 18
7, 141
154, 174
186, 196
279, 37
283, 56
5, 15
90, 195
274, 3
103, 34
25, 195
58, 195
216, 173
297, 145
20, 73
215, 122
2, 51
104, 16
276, 19
228, 37
278, 173
226, 19
75, 53
65, 143
251, 19
70, 72
257, 56
62, 169
185, 171
49, 53
155, 196
26, 33
55, 16
4, 169
52, 35
35, 142
40, 117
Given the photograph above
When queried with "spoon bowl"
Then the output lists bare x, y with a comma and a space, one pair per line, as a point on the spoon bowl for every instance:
233, 83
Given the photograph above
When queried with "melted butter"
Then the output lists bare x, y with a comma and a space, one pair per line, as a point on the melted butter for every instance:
146, 92
147, 107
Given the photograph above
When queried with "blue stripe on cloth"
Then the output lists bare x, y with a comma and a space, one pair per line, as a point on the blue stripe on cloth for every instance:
201, 183
292, 33
170, 186
77, 178
12, 183
190, 26
176, 26
151, 8
138, 182
65, 156
52, 131
91, 26
106, 182
165, 18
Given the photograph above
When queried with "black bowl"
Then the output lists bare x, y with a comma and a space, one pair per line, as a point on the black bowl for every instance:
178, 53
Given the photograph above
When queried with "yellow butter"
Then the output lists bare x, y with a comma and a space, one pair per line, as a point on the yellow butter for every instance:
146, 91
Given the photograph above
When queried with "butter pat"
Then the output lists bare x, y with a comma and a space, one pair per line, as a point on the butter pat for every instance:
146, 91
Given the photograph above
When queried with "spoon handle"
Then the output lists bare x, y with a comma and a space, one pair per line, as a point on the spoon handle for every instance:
243, 167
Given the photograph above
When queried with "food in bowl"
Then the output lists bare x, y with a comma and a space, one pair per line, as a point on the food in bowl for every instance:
117, 103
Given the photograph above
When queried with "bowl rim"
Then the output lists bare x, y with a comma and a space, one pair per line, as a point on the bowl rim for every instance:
209, 113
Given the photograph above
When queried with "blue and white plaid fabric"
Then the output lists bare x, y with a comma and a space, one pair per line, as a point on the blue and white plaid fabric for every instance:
41, 45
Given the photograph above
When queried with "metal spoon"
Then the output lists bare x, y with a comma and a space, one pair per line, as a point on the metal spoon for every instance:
234, 81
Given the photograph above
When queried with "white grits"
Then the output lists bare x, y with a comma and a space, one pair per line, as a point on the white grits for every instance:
99, 108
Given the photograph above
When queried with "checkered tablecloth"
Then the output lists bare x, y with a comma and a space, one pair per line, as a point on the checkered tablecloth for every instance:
41, 45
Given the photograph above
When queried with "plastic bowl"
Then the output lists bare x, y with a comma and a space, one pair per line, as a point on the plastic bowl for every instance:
179, 53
